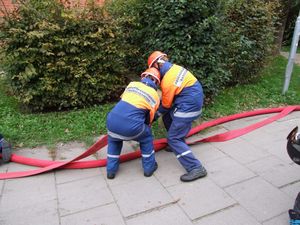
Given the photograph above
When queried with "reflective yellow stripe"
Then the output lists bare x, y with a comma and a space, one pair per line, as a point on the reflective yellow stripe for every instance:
142, 96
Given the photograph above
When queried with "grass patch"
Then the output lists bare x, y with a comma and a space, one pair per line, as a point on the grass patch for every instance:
287, 48
30, 130
264, 93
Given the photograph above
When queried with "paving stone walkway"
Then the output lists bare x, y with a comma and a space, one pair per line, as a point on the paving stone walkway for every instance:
251, 181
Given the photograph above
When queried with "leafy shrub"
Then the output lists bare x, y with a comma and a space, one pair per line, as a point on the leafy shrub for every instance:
221, 42
190, 32
251, 32
57, 57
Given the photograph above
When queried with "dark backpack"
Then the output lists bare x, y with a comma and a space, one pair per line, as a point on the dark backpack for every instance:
5, 149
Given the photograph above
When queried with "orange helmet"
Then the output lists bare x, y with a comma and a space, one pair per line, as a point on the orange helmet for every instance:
155, 56
153, 72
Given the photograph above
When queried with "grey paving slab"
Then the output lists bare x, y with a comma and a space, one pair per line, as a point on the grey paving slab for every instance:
282, 219
67, 175
102, 215
241, 150
171, 214
292, 190
207, 152
277, 127
67, 151
235, 215
40, 152
36, 213
260, 198
226, 171
28, 191
275, 171
169, 169
259, 138
200, 198
278, 149
3, 169
140, 195
82, 195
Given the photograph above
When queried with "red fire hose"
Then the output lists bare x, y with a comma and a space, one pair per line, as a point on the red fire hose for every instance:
159, 144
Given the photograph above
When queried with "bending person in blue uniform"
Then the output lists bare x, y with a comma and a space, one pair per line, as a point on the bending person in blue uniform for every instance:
131, 119
182, 100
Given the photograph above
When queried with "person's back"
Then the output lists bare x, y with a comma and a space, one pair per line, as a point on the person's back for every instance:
182, 100
133, 110
130, 119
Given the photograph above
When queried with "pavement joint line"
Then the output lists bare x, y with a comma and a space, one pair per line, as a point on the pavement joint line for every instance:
289, 184
115, 201
239, 182
87, 209
152, 209
264, 221
57, 200
214, 212
83, 178
2, 189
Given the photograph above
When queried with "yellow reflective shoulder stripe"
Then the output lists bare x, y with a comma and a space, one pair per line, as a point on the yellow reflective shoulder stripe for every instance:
136, 89
142, 96
142, 93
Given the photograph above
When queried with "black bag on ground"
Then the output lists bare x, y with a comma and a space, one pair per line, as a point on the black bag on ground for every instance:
5, 149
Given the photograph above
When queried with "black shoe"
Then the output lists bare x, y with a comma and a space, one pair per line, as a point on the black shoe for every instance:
194, 174
149, 174
294, 214
294, 217
111, 175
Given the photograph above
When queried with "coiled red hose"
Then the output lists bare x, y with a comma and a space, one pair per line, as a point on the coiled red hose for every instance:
47, 165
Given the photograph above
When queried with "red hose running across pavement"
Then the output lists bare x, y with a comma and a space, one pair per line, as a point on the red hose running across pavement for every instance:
47, 165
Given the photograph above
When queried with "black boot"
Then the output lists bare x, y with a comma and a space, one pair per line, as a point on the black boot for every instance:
149, 174
294, 217
111, 175
194, 174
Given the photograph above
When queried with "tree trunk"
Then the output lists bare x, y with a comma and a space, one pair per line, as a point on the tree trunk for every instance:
286, 6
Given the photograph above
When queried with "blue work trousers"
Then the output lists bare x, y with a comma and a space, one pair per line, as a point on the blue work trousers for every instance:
145, 140
177, 129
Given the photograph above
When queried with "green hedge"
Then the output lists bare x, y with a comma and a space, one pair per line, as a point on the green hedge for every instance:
190, 32
251, 32
58, 58
221, 42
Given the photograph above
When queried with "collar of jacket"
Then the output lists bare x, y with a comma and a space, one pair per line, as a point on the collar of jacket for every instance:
164, 69
149, 82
